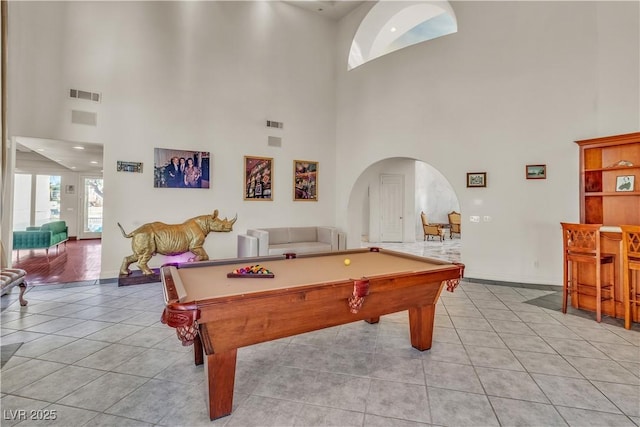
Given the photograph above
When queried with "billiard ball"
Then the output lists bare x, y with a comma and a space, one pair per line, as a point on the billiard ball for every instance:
347, 261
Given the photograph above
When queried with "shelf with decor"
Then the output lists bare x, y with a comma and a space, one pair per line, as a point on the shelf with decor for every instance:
610, 180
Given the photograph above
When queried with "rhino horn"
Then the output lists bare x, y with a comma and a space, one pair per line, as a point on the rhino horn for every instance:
215, 214
230, 223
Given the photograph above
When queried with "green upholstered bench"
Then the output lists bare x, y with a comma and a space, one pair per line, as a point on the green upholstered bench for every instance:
44, 237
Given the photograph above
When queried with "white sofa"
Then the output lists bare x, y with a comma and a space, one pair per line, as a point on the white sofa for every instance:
282, 240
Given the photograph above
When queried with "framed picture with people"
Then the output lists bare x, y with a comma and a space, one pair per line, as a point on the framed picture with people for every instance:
174, 168
258, 178
305, 181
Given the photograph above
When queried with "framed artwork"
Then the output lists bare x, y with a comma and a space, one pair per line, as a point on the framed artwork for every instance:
625, 182
476, 179
258, 178
536, 171
173, 168
129, 166
305, 181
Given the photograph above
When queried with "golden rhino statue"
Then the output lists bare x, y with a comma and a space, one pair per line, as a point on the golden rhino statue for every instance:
172, 239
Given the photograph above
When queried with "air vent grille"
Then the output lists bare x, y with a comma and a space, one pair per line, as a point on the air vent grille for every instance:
273, 124
86, 95
274, 141
88, 118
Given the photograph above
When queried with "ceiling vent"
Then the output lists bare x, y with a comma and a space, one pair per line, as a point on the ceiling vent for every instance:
86, 95
84, 118
272, 124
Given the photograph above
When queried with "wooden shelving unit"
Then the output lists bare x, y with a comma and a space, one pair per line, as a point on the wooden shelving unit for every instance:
600, 202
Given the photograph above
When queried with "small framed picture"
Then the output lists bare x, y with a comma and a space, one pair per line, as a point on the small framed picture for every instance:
625, 182
258, 178
536, 171
476, 179
305, 181
129, 166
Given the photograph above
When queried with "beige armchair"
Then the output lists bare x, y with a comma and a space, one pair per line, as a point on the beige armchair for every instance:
431, 229
454, 224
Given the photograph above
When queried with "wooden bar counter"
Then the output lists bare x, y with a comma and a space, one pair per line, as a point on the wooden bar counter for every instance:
610, 243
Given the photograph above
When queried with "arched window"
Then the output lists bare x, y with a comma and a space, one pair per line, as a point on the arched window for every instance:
392, 25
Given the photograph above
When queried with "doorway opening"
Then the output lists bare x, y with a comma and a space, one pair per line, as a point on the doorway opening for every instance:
416, 187
55, 180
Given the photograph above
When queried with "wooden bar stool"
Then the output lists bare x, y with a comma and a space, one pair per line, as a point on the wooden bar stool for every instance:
630, 263
581, 244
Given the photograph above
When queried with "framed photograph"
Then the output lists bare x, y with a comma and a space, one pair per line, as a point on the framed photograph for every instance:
258, 178
476, 179
129, 166
625, 182
70, 189
305, 181
174, 168
536, 171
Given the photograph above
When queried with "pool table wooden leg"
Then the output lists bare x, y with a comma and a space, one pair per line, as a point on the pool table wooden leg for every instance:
220, 371
421, 326
198, 355
372, 320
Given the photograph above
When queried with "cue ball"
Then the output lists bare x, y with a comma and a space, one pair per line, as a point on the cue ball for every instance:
347, 261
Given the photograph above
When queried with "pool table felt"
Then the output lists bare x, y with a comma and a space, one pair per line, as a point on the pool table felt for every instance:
201, 283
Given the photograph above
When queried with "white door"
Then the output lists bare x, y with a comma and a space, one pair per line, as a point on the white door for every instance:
91, 210
391, 208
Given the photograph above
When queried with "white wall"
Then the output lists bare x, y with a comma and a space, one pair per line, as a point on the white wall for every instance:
517, 84
199, 76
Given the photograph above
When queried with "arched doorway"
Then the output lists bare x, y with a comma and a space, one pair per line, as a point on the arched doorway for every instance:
425, 189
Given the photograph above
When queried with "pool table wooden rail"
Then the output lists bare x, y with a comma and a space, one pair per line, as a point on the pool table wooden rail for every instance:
266, 316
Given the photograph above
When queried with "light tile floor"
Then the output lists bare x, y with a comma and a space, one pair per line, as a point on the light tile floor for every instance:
448, 250
97, 355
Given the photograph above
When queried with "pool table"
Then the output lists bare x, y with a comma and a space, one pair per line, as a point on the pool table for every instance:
219, 314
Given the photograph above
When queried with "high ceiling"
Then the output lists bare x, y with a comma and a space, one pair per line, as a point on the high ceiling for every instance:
331, 9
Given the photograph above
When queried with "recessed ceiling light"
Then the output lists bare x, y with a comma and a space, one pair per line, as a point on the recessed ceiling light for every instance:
40, 149
73, 167
393, 29
79, 147
93, 162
